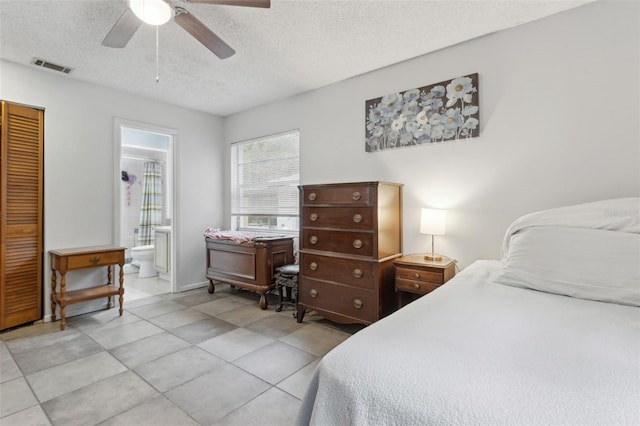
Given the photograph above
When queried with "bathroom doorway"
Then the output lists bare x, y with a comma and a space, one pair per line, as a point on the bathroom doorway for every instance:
144, 207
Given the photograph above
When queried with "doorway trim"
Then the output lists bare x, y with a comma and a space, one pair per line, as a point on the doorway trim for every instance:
118, 124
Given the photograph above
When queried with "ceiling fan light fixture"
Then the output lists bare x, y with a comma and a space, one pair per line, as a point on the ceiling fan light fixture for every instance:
152, 12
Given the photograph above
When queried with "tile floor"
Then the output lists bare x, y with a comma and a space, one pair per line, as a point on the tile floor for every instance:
172, 359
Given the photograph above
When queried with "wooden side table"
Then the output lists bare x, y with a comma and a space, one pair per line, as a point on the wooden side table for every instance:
415, 276
65, 260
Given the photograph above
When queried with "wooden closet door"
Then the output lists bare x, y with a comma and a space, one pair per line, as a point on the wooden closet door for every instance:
21, 213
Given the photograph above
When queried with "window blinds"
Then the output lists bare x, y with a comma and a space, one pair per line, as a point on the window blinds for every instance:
265, 175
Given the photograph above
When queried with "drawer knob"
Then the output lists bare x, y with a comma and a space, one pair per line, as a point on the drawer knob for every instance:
94, 259
357, 244
313, 217
357, 273
312, 196
313, 239
416, 286
357, 303
357, 218
416, 275
313, 292
313, 266
356, 196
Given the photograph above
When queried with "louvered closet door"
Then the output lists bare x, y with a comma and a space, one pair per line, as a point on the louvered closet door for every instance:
21, 180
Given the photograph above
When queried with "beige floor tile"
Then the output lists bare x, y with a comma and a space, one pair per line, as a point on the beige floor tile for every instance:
275, 326
217, 393
32, 330
8, 368
65, 378
32, 416
101, 320
245, 315
234, 344
156, 309
194, 297
178, 318
297, 383
15, 396
147, 349
273, 407
158, 411
218, 306
112, 337
100, 401
202, 330
66, 350
315, 339
177, 368
274, 362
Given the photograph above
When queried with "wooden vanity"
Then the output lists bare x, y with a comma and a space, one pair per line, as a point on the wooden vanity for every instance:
249, 265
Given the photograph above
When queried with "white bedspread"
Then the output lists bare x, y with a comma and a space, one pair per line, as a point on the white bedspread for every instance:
474, 352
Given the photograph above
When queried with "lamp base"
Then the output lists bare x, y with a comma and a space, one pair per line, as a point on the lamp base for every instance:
433, 257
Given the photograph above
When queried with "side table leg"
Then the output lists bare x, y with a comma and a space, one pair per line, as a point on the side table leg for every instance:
121, 289
211, 288
109, 278
63, 302
53, 292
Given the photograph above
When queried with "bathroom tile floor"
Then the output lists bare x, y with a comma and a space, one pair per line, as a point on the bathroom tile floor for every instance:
172, 359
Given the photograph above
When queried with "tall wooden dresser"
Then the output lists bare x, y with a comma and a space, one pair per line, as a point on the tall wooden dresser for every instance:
349, 237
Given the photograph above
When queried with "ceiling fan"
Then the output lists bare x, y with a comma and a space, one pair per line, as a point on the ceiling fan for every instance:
158, 12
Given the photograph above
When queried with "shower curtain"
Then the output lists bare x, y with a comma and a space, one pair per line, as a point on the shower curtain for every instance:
151, 208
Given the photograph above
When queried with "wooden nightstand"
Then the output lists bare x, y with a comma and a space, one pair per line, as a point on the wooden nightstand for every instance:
415, 276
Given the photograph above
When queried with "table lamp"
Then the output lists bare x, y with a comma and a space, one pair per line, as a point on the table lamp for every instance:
433, 222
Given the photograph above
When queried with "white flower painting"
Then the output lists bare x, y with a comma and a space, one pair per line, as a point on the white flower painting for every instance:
444, 111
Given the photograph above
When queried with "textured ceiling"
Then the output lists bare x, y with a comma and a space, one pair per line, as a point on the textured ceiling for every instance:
293, 47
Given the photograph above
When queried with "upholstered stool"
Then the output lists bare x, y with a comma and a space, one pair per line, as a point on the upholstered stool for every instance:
287, 282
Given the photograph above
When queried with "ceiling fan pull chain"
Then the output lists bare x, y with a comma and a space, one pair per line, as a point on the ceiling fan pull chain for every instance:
157, 56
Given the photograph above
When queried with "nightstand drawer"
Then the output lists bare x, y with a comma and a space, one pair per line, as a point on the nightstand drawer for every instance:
419, 275
417, 287
95, 259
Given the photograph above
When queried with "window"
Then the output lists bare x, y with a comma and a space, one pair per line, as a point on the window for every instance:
264, 183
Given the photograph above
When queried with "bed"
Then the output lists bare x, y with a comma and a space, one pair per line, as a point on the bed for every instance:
549, 335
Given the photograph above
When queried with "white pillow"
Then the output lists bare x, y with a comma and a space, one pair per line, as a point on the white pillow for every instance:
584, 263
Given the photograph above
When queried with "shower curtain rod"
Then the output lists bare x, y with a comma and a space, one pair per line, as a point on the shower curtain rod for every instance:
141, 159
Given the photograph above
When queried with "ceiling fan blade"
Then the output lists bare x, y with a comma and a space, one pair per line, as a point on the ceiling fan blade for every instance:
122, 31
204, 35
247, 3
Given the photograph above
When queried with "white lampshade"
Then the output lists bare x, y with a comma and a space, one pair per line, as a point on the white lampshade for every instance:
433, 221
152, 12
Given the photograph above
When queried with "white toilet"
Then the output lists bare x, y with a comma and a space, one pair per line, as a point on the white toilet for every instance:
143, 257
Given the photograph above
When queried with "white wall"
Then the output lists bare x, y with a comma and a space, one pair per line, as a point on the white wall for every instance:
559, 125
79, 168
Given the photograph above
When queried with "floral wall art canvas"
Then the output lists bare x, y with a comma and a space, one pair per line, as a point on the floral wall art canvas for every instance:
440, 112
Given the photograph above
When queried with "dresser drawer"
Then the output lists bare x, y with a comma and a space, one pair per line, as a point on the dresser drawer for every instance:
95, 259
358, 194
346, 271
412, 286
419, 275
358, 243
344, 300
338, 217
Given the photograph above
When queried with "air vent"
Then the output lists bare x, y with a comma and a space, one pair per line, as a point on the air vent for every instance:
50, 65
